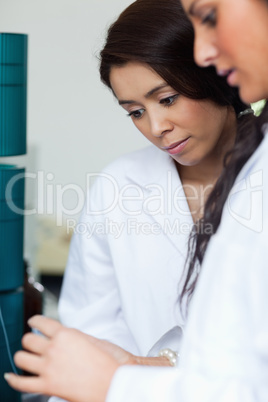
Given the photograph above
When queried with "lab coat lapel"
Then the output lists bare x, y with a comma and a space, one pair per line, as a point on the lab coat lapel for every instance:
165, 200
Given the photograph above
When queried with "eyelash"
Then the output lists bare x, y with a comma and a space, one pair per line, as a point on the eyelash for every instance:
132, 114
209, 19
173, 99
165, 102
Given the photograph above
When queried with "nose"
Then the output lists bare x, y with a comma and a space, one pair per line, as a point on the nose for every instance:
160, 124
205, 49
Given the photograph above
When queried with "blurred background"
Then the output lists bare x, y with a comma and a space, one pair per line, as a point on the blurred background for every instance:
74, 125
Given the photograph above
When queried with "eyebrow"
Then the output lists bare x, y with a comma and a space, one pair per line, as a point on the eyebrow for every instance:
147, 95
191, 10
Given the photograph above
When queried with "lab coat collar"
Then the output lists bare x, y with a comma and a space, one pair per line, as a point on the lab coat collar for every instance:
162, 178
155, 171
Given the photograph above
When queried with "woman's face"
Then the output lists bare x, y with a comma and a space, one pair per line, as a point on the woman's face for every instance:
232, 35
187, 129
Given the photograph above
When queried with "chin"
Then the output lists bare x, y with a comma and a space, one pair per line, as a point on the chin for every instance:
186, 162
250, 95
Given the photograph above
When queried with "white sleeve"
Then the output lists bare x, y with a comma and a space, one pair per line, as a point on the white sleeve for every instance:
143, 383
224, 355
90, 299
148, 384
225, 350
226, 342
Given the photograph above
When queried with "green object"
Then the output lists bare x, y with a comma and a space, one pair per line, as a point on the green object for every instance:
13, 93
11, 227
11, 305
258, 106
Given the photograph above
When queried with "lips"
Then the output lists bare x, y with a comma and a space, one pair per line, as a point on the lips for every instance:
231, 78
176, 147
223, 73
229, 74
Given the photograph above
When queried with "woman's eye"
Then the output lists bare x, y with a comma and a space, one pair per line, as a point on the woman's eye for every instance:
136, 114
169, 100
209, 19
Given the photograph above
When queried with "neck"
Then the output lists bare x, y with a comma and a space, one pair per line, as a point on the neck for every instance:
198, 180
209, 169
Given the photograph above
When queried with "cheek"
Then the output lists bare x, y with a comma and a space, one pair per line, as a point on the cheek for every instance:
227, 46
143, 127
196, 117
210, 130
229, 34
187, 115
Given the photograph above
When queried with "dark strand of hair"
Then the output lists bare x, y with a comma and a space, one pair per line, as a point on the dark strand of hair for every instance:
249, 137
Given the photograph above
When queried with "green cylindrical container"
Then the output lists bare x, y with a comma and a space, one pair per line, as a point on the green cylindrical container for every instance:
11, 227
11, 304
13, 93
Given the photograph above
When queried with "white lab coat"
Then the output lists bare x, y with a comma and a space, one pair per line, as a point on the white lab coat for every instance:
224, 356
122, 280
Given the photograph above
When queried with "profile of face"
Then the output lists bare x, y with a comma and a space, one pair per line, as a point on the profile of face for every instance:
232, 36
187, 129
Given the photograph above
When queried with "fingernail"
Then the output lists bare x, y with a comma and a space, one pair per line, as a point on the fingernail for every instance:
6, 376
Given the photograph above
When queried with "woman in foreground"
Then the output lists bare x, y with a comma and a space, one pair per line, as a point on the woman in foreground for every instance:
224, 355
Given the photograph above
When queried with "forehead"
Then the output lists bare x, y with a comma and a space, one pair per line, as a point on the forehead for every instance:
189, 5
223, 4
133, 75
236, 12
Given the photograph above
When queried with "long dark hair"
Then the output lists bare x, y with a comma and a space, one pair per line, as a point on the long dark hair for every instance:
249, 136
158, 33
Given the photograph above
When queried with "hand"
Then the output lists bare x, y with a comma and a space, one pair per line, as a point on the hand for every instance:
120, 355
66, 362
123, 357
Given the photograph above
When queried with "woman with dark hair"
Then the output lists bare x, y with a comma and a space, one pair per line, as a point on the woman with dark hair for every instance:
224, 356
112, 284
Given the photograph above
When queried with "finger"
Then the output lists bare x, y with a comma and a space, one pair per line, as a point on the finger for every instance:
25, 384
28, 362
46, 325
35, 343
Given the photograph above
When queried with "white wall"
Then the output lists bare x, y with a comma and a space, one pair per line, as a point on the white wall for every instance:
74, 124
